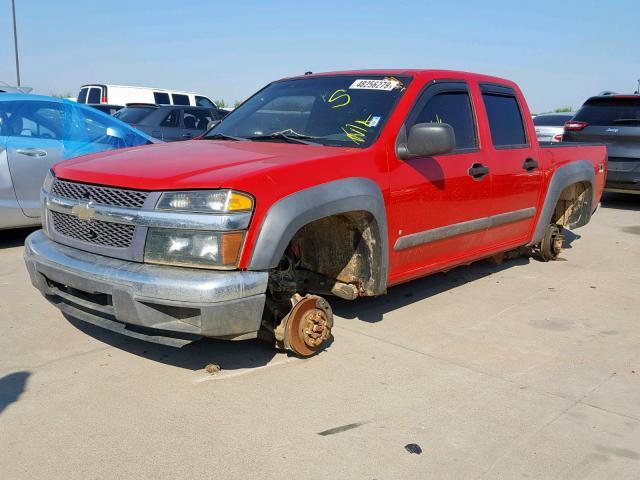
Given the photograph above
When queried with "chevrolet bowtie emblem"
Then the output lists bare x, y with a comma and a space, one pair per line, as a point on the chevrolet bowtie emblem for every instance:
84, 211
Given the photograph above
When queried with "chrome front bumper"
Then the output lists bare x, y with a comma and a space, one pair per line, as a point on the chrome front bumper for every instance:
182, 301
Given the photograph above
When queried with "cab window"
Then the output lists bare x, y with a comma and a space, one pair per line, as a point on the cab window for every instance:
505, 120
453, 108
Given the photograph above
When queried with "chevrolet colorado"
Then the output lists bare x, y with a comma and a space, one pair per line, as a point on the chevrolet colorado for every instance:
336, 184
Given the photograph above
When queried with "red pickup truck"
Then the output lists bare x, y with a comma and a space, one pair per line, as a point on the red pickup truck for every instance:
337, 184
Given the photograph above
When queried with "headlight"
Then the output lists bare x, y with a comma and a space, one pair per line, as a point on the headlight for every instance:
206, 201
48, 181
193, 248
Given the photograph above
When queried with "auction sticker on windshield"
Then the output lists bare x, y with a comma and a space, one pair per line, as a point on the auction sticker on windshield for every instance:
368, 84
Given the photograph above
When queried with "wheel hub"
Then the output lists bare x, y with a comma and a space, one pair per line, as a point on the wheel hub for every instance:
307, 326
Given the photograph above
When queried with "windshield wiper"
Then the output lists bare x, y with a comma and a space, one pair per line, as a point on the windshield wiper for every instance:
223, 136
287, 137
627, 120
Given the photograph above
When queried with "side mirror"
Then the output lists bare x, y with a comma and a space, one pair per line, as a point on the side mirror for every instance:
427, 140
212, 124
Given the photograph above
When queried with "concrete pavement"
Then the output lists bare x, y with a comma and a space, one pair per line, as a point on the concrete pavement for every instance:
518, 370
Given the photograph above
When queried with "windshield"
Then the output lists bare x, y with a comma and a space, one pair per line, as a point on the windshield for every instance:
342, 110
610, 111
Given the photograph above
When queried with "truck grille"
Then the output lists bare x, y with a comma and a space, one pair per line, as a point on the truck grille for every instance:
102, 195
93, 231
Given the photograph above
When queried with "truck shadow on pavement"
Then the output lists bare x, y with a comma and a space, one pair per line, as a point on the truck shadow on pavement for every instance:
621, 201
197, 355
372, 310
11, 388
14, 238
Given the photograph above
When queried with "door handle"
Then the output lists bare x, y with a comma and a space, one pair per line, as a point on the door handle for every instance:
31, 152
477, 171
530, 164
187, 135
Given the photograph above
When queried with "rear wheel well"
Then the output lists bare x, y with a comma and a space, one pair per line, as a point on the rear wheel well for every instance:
573, 208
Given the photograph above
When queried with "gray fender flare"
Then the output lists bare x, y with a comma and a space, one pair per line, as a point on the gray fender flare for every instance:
574, 172
288, 215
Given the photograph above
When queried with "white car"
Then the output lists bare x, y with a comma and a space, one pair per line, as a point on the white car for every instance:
550, 126
123, 94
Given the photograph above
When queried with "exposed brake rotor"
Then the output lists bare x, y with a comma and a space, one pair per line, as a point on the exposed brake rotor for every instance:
551, 244
306, 327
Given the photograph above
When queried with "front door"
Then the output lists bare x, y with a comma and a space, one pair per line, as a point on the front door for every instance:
34, 144
439, 204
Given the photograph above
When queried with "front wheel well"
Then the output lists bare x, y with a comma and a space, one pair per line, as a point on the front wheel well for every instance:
339, 254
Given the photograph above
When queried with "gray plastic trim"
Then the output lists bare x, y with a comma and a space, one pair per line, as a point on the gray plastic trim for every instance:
440, 233
574, 172
288, 215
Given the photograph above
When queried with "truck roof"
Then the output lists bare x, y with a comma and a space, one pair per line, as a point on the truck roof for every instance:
415, 72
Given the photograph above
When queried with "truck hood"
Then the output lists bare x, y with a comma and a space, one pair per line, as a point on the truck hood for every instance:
184, 165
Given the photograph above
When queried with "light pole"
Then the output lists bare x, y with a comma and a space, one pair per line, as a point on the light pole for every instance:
15, 40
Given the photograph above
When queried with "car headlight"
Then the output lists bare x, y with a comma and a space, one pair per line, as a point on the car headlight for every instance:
48, 181
206, 201
193, 248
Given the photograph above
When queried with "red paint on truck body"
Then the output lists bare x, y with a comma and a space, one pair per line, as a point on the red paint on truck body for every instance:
419, 194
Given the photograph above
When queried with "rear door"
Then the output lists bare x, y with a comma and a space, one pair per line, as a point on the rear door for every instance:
515, 166
34, 144
170, 126
439, 204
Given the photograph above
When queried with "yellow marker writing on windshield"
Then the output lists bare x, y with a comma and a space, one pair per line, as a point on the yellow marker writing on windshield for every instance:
341, 96
355, 131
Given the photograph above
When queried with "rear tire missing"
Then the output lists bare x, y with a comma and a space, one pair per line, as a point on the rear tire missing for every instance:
551, 244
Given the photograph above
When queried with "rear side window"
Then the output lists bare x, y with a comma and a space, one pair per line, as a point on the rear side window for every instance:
82, 96
204, 102
171, 120
161, 98
94, 95
179, 99
551, 120
453, 108
505, 120
133, 115
610, 111
197, 119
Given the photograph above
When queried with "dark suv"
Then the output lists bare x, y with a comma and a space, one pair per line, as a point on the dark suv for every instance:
169, 122
615, 121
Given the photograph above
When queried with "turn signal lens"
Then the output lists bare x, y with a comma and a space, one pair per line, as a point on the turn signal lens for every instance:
238, 201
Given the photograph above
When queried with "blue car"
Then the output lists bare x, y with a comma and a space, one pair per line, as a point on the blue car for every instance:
35, 133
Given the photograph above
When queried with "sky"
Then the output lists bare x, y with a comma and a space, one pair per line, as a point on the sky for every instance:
559, 52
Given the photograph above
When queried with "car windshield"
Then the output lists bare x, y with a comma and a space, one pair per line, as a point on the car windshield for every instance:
87, 130
610, 111
341, 110
133, 115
